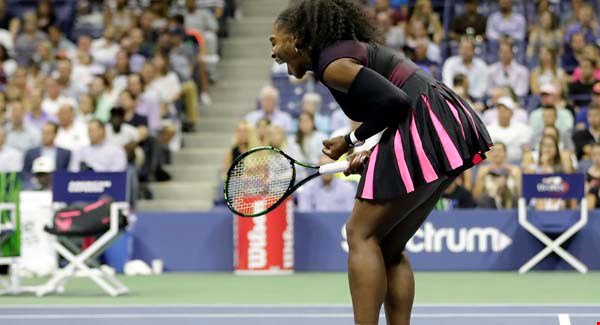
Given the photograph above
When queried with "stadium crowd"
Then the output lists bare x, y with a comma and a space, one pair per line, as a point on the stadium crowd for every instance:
104, 85
530, 68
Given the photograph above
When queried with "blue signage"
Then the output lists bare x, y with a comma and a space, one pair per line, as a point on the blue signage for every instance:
88, 186
561, 186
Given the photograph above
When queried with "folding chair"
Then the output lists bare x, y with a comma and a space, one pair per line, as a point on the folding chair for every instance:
79, 261
563, 186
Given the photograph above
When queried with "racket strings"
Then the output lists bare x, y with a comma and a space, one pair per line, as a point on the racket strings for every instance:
258, 181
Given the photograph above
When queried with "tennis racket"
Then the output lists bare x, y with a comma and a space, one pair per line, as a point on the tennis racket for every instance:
262, 178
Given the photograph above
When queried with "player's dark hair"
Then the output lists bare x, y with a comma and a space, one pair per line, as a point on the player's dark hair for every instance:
318, 24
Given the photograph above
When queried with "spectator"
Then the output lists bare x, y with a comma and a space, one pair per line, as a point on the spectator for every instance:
119, 16
148, 103
59, 43
11, 159
593, 178
308, 138
104, 50
269, 101
457, 197
42, 170
583, 139
580, 90
460, 85
59, 156
497, 164
573, 52
498, 194
581, 119
262, 131
466, 63
547, 71
73, 84
490, 116
36, 116
277, 138
586, 25
424, 11
106, 96
45, 58
471, 23
87, 106
245, 138
507, 72
419, 35
422, 60
122, 134
549, 118
550, 97
72, 134
204, 21
131, 46
20, 135
165, 82
328, 194
28, 40
514, 134
545, 34
45, 15
7, 65
506, 23
590, 52
394, 35
311, 103
100, 155
54, 99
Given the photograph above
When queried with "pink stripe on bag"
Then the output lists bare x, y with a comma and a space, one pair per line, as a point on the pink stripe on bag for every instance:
94, 205
404, 173
449, 148
69, 214
367, 192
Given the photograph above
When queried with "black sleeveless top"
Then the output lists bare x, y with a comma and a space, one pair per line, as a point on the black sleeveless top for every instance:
387, 62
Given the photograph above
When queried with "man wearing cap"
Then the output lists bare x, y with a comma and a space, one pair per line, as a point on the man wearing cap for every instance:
581, 121
549, 95
42, 169
513, 134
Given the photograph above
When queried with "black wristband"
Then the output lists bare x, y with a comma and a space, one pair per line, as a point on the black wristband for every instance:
348, 141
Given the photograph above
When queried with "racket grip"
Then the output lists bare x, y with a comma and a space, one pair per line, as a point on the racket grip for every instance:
335, 167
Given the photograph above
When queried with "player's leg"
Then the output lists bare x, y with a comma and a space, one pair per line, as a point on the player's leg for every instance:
400, 281
369, 223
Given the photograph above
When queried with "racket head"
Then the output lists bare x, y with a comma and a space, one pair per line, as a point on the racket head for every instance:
258, 181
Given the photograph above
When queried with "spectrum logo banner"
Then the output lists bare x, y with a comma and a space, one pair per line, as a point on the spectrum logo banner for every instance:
563, 186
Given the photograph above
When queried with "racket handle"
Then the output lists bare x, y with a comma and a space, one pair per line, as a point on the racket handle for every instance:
335, 167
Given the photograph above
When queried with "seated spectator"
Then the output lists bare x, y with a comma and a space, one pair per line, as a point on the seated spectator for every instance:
592, 176
497, 163
592, 53
60, 157
547, 71
490, 116
20, 135
498, 194
514, 135
418, 35
583, 139
548, 161
545, 34
35, 115
308, 138
581, 119
580, 90
471, 23
460, 85
457, 197
327, 194
278, 138
507, 72
506, 23
549, 117
550, 97
203, 20
269, 101
54, 98
466, 63
148, 102
11, 159
105, 95
245, 138
29, 39
104, 50
394, 35
72, 83
42, 169
122, 134
87, 106
565, 146
100, 155
72, 134
424, 11
311, 103
586, 25
573, 51
421, 59
45, 58
119, 16
7, 64
59, 43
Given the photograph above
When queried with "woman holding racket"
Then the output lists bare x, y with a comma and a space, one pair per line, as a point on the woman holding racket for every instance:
431, 136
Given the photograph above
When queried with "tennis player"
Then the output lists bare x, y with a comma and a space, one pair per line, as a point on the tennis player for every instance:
431, 136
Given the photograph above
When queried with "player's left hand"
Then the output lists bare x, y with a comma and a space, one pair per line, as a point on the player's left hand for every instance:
357, 161
334, 148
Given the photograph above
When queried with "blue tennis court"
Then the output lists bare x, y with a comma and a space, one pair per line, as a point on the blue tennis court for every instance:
294, 314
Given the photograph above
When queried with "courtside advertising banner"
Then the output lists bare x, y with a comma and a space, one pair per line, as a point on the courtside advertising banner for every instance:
560, 186
265, 244
88, 186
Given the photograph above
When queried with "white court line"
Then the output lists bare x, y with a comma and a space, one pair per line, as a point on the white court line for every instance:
125, 305
563, 319
274, 315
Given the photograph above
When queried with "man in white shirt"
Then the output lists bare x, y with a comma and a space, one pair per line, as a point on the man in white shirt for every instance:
54, 99
100, 155
507, 72
506, 23
20, 135
72, 134
11, 160
466, 63
269, 99
549, 97
513, 134
104, 50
